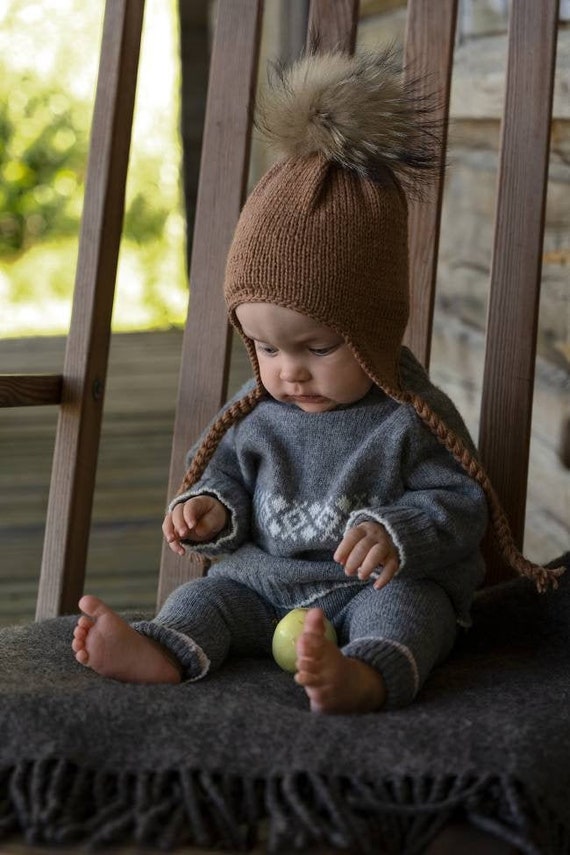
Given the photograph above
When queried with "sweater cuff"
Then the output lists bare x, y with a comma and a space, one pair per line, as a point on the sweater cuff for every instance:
411, 532
225, 539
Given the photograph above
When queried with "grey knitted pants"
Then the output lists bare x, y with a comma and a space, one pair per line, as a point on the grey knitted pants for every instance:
402, 631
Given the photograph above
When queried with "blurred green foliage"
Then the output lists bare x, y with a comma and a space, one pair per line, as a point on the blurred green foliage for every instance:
43, 147
43, 153
48, 59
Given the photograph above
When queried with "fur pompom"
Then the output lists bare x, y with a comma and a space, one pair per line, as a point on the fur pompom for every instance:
354, 110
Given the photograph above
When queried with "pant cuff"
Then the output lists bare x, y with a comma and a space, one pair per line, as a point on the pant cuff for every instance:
396, 664
192, 659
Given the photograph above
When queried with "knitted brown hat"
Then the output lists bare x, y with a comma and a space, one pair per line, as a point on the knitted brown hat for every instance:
325, 233
322, 240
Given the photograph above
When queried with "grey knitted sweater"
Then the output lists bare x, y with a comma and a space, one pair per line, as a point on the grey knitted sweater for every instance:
294, 482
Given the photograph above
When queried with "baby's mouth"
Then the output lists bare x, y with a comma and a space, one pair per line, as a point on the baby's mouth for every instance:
308, 398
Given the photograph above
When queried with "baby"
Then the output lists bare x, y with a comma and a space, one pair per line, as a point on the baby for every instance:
314, 382
340, 479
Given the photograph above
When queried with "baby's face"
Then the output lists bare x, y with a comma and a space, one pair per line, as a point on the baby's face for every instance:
302, 362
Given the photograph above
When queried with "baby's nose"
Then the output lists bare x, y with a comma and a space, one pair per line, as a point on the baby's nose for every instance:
294, 371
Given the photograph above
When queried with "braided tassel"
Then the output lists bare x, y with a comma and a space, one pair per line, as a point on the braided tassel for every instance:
543, 577
212, 439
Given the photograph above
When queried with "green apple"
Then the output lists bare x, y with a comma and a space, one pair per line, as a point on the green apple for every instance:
285, 638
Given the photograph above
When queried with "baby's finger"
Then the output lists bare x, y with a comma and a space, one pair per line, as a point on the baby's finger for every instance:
347, 544
357, 557
177, 547
178, 522
191, 512
376, 557
171, 537
206, 526
196, 509
386, 573
168, 529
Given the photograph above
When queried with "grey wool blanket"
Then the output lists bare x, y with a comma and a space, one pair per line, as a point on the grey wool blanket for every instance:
89, 760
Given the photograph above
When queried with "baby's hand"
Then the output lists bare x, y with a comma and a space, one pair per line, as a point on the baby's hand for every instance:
199, 519
366, 549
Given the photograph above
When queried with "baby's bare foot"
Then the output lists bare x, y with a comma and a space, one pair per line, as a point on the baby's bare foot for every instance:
333, 682
102, 640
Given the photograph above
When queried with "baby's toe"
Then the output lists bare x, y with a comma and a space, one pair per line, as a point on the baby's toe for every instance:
80, 634
308, 665
82, 656
315, 622
309, 648
78, 644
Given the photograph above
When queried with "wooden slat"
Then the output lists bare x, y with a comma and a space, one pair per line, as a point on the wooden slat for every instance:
517, 255
293, 25
429, 42
223, 178
29, 390
85, 365
332, 26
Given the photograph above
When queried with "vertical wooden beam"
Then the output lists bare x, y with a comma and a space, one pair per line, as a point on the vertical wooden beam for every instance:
194, 66
85, 367
221, 192
508, 382
430, 36
332, 26
293, 21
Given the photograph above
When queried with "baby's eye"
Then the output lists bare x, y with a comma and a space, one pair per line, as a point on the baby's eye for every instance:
265, 348
323, 351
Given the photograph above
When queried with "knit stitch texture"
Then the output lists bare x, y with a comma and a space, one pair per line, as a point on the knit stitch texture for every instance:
238, 756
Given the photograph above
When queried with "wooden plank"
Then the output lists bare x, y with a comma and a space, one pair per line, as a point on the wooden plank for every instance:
125, 540
29, 390
85, 366
293, 25
221, 192
506, 411
428, 59
332, 26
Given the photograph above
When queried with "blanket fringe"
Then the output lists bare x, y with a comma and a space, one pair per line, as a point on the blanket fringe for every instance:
53, 801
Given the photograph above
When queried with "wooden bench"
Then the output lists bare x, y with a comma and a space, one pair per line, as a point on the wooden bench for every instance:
514, 289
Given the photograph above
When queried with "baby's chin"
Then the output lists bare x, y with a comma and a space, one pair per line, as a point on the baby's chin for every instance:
311, 403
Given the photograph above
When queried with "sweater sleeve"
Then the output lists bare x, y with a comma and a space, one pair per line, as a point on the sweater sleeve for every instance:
223, 480
441, 514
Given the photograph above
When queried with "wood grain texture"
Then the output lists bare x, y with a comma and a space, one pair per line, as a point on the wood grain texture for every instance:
30, 390
332, 26
85, 365
508, 383
221, 192
429, 42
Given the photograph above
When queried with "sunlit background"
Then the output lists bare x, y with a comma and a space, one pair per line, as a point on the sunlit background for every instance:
49, 52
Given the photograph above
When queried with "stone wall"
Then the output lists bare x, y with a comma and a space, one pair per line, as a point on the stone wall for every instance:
470, 192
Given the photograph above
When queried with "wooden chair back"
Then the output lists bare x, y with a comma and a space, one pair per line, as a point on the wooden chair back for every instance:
515, 271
